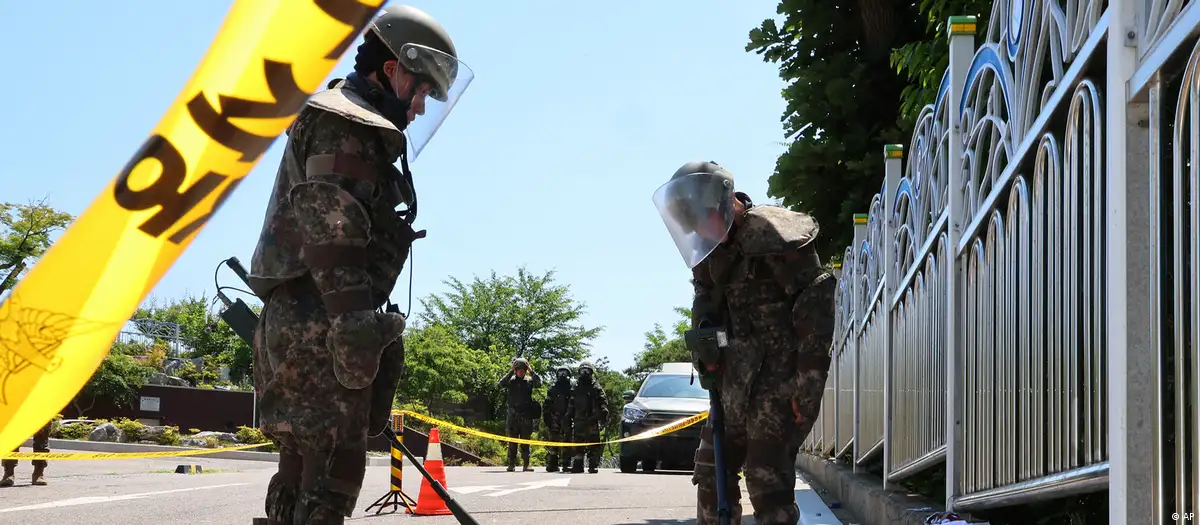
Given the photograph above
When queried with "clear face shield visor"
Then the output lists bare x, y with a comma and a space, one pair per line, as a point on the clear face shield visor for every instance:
441, 81
697, 210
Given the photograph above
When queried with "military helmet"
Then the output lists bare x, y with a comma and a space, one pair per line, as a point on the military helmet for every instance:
587, 365
420, 44
685, 203
520, 362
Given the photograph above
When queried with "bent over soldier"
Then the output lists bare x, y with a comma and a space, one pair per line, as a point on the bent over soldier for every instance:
522, 409
326, 361
556, 414
590, 407
760, 285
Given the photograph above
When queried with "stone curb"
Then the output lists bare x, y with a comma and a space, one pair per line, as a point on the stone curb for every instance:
863, 494
243, 455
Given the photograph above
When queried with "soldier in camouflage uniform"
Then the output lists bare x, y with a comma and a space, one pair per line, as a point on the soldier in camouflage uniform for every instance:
556, 414
326, 361
41, 443
590, 415
522, 409
777, 313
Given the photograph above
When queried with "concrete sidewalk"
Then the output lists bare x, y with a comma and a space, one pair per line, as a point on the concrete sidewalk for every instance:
126, 448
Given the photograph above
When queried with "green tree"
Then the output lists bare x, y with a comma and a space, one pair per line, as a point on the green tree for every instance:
118, 378
661, 347
438, 367
524, 314
613, 382
205, 336
924, 61
25, 234
843, 103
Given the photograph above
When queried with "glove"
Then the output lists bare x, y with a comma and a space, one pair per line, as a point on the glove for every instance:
356, 341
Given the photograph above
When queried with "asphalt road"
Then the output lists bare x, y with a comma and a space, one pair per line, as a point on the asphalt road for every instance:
231, 492
147, 491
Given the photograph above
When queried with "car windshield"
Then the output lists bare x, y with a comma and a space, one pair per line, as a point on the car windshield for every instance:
673, 386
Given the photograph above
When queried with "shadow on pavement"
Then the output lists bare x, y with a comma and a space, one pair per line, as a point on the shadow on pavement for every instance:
746, 520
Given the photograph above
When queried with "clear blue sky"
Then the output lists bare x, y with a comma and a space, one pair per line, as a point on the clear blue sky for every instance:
578, 112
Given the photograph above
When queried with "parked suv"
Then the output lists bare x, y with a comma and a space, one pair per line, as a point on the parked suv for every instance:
665, 396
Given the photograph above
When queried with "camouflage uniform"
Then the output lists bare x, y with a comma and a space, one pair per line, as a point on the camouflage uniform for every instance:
41, 443
556, 414
779, 308
522, 409
326, 364
590, 407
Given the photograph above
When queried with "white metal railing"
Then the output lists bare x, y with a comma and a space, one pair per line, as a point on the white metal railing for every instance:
1021, 304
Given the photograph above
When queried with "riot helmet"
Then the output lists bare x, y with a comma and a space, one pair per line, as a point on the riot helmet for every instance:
563, 373
422, 47
696, 206
586, 369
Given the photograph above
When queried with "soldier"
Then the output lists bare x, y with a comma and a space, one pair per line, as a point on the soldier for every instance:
590, 415
522, 409
41, 443
557, 416
333, 243
759, 281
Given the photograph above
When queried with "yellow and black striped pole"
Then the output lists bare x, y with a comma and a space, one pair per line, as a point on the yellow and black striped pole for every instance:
395, 498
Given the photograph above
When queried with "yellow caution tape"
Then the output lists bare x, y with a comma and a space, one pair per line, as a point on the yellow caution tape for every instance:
651, 433
59, 322
71, 456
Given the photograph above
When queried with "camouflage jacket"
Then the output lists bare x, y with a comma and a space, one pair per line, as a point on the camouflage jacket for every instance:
589, 403
520, 390
558, 402
332, 209
778, 303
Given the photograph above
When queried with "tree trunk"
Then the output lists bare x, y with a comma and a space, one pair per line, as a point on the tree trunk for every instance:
880, 24
10, 280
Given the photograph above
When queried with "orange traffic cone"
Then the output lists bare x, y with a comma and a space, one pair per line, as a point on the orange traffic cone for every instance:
428, 501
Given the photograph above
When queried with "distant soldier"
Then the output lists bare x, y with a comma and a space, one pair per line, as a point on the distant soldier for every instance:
522, 409
557, 416
41, 443
590, 415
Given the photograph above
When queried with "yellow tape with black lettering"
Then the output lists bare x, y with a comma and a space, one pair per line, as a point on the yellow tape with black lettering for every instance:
79, 456
57, 325
654, 432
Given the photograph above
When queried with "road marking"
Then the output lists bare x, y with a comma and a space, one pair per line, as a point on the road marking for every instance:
105, 499
472, 490
530, 485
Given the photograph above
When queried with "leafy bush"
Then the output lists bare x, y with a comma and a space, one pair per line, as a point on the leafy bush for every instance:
134, 430
169, 436
250, 435
79, 430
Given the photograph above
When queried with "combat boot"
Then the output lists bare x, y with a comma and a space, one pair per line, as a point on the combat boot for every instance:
577, 466
7, 480
526, 468
512, 464
552, 464
39, 476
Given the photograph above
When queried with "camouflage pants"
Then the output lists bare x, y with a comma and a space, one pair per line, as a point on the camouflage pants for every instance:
518, 425
587, 433
560, 431
762, 437
320, 426
41, 443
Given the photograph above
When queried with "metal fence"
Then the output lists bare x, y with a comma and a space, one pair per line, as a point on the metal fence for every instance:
1021, 305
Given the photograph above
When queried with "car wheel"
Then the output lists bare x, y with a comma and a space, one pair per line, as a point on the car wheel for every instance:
628, 464
648, 465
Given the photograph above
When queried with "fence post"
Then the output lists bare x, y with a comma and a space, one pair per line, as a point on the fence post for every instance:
860, 236
1131, 282
836, 370
893, 166
962, 54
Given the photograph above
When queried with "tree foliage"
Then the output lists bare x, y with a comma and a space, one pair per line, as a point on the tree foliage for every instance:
25, 234
527, 314
118, 378
439, 368
858, 74
662, 347
204, 336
